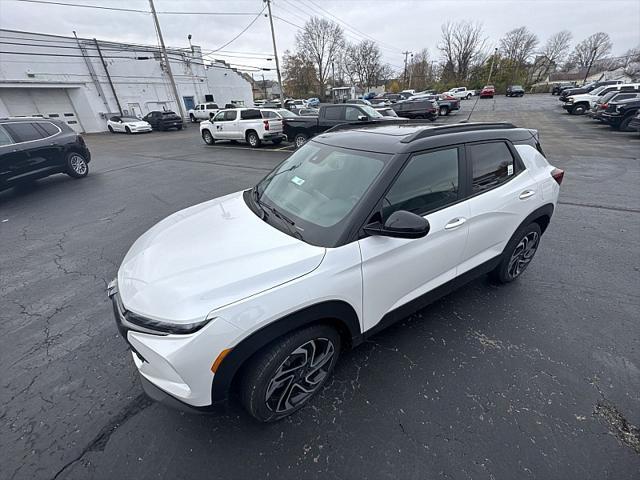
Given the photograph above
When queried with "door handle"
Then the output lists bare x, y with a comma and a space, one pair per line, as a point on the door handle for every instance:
527, 194
455, 223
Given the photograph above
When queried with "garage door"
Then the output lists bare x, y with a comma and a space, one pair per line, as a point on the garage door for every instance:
41, 102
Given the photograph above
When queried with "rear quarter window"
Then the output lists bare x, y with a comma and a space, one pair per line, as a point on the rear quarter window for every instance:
251, 114
492, 164
5, 139
49, 128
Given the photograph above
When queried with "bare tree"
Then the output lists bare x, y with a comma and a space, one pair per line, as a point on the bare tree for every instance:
592, 50
421, 73
299, 75
461, 46
630, 62
517, 47
552, 54
320, 42
364, 66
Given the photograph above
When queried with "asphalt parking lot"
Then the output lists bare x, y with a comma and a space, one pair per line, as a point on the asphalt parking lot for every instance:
537, 379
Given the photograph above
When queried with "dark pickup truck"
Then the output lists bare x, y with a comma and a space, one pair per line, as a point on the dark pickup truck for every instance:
300, 129
620, 114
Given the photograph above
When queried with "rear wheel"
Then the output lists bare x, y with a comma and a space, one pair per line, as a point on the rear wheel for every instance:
253, 139
283, 377
469, 97
419, 116
300, 139
518, 254
77, 165
624, 124
127, 129
111, 129
192, 118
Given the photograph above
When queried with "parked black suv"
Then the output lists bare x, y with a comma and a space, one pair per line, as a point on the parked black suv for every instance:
620, 114
515, 91
586, 88
420, 108
163, 120
33, 148
558, 88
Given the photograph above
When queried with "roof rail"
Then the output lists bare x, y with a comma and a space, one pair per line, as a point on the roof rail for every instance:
366, 123
455, 128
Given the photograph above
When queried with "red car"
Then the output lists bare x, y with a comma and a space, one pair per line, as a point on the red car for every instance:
488, 91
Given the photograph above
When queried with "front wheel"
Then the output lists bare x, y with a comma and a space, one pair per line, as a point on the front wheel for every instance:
624, 124
192, 118
469, 97
77, 165
283, 377
127, 130
443, 111
578, 110
300, 139
518, 254
207, 137
111, 129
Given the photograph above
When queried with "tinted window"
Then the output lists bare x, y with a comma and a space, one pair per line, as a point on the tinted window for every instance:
230, 115
211, 106
115, 119
5, 139
624, 96
49, 128
333, 113
429, 181
267, 114
250, 114
492, 164
219, 117
23, 132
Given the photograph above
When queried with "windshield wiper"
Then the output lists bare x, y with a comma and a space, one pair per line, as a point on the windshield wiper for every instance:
290, 224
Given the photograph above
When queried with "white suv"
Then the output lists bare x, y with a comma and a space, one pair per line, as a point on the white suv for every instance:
246, 124
263, 289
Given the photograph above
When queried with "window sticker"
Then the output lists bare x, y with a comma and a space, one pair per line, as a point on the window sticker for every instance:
509, 169
297, 180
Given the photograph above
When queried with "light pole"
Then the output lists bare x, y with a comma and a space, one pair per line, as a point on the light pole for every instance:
493, 59
275, 50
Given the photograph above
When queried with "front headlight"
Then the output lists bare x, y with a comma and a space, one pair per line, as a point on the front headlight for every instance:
570, 99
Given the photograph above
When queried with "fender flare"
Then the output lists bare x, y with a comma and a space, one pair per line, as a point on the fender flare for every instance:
335, 312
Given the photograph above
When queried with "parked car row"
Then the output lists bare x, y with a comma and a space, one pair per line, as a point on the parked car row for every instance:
612, 102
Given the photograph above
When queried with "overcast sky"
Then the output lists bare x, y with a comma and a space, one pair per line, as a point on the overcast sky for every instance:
396, 25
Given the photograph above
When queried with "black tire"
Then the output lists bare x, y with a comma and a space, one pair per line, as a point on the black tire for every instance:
277, 141
578, 109
207, 137
624, 124
419, 117
443, 111
77, 166
300, 139
266, 398
127, 130
253, 139
521, 249
111, 129
469, 97
192, 118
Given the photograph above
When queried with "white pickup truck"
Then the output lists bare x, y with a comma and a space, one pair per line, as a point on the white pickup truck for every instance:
248, 124
203, 111
461, 93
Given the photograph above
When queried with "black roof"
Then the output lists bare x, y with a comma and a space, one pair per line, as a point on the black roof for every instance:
406, 137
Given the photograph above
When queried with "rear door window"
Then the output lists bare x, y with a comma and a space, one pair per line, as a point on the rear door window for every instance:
492, 163
250, 114
5, 139
334, 113
230, 115
24, 131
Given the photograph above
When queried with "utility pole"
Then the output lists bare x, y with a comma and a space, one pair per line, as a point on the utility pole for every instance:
411, 71
275, 52
106, 70
493, 59
166, 59
264, 87
406, 54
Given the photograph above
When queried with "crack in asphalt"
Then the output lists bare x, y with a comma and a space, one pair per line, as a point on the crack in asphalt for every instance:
618, 425
603, 207
99, 442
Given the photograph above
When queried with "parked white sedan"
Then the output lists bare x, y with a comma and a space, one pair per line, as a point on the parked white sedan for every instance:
128, 125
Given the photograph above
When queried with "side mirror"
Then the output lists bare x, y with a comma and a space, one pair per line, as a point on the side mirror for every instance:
363, 118
400, 224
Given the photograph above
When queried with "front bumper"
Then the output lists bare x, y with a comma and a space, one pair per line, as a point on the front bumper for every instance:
178, 365
612, 119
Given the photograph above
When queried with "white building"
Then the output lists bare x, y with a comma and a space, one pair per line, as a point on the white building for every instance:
84, 81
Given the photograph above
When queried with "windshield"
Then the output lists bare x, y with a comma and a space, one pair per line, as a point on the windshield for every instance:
370, 111
286, 113
519, 87
317, 187
596, 91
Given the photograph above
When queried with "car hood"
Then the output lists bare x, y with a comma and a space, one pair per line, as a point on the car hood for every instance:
208, 256
137, 124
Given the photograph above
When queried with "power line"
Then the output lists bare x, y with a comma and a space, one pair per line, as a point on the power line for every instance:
243, 30
133, 10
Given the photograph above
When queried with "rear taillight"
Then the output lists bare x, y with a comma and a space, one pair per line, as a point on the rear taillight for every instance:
558, 175
604, 105
266, 124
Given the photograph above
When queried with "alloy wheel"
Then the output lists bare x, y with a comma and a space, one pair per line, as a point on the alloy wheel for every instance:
208, 138
78, 164
300, 141
523, 254
299, 375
